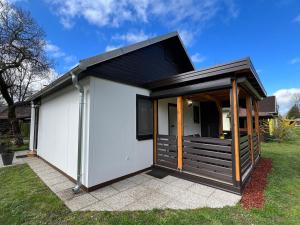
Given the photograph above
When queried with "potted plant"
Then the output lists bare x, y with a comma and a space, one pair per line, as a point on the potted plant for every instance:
2, 147
6, 153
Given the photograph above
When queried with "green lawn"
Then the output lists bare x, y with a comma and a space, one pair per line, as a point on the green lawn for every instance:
24, 199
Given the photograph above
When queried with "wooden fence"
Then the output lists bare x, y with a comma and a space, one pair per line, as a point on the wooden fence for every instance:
209, 157
167, 151
245, 154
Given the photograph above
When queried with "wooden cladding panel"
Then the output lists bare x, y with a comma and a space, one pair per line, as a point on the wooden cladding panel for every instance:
256, 120
250, 125
255, 146
245, 153
210, 157
166, 154
214, 141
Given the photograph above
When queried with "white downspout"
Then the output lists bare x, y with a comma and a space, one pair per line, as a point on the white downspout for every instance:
79, 87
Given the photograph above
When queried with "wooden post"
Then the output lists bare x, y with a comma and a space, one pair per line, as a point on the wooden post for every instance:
179, 131
155, 129
250, 125
236, 132
256, 119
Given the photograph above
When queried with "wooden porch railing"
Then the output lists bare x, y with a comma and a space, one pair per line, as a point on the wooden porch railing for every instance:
255, 146
209, 157
167, 151
245, 154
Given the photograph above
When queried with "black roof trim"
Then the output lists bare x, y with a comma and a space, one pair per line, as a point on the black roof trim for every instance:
240, 65
193, 89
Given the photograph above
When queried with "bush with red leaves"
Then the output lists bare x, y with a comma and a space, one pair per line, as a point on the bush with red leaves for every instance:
253, 195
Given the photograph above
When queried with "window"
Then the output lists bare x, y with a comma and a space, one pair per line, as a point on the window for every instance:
144, 118
196, 114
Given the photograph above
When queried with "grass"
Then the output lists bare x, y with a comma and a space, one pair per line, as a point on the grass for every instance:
23, 147
24, 199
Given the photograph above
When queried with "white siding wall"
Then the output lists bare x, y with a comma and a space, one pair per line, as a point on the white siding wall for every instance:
188, 119
114, 150
58, 130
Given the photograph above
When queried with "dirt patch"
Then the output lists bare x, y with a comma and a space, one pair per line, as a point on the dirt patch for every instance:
253, 195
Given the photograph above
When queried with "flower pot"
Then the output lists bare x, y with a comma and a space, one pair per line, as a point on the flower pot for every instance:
7, 158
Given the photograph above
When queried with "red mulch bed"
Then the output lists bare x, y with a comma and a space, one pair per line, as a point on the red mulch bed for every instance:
253, 195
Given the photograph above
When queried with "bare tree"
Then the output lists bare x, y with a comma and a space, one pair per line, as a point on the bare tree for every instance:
296, 99
22, 44
26, 80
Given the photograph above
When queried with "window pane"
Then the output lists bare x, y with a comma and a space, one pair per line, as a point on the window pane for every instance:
144, 117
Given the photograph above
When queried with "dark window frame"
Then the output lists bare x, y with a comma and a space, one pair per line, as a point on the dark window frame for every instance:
140, 137
170, 105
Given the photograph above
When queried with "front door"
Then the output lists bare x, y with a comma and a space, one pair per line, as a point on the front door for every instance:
172, 114
209, 120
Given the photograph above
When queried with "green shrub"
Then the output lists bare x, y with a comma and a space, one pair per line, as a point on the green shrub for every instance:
284, 130
25, 129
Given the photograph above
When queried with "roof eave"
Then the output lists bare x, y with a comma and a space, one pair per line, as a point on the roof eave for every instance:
59, 81
253, 71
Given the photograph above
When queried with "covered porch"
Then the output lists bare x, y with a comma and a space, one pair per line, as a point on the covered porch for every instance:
198, 133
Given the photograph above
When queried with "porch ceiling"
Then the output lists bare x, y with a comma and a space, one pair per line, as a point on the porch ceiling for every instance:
219, 95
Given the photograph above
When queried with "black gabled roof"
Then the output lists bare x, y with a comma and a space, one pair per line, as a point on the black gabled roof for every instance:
136, 64
130, 48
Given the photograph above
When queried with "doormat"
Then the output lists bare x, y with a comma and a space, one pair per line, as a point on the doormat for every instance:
21, 156
157, 173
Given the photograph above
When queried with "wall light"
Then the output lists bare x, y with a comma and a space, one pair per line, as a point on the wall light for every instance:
189, 102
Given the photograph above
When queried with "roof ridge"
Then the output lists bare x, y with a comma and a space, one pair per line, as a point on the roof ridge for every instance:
87, 62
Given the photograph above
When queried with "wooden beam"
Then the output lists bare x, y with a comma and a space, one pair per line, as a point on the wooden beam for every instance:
179, 131
250, 125
155, 129
256, 119
236, 132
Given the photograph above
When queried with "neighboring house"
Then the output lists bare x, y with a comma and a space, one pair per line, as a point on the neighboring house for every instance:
23, 113
144, 105
268, 114
297, 122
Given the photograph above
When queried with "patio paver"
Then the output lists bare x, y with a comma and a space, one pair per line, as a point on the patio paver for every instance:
202, 190
140, 192
104, 192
